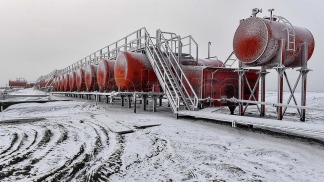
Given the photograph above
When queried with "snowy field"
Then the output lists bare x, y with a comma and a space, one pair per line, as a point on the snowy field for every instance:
77, 141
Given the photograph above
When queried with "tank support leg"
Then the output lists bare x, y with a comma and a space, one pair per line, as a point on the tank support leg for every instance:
241, 73
160, 100
134, 103
280, 70
122, 100
304, 70
154, 103
99, 98
107, 99
144, 102
129, 101
263, 74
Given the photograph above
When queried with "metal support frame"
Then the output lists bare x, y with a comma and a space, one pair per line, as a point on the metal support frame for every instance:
144, 102
154, 103
135, 102
263, 74
129, 101
241, 73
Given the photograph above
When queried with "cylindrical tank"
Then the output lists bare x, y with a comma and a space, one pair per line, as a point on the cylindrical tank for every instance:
216, 83
66, 79
202, 62
42, 83
55, 84
17, 83
257, 42
72, 82
105, 75
90, 78
61, 83
79, 80
133, 72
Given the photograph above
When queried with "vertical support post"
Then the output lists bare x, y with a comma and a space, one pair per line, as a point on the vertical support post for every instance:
304, 70
154, 103
122, 100
160, 100
144, 102
280, 70
129, 101
134, 103
99, 98
280, 92
209, 43
263, 74
107, 99
241, 88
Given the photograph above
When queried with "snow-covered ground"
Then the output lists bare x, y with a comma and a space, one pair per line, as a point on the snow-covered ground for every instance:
27, 91
76, 141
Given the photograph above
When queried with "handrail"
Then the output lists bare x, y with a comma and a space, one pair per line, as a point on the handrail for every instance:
173, 101
171, 55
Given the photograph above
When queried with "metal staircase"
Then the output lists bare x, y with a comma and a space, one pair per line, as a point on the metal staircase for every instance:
165, 62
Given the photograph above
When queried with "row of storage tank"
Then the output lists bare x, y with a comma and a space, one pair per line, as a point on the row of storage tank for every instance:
132, 71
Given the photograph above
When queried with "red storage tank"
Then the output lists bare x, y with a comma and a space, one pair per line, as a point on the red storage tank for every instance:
72, 82
18, 83
61, 83
133, 72
66, 86
90, 78
105, 75
42, 83
55, 84
217, 83
257, 42
79, 80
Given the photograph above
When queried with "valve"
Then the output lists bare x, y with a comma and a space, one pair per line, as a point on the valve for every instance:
255, 11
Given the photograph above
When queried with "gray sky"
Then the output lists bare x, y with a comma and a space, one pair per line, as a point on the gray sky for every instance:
38, 36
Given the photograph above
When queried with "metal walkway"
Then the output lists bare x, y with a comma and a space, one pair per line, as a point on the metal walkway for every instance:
308, 130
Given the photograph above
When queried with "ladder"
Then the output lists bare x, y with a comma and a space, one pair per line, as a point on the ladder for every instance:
165, 63
230, 61
291, 37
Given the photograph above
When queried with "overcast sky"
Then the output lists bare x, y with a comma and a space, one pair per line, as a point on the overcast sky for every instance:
38, 36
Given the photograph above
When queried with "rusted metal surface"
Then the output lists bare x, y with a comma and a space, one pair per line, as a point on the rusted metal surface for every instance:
72, 83
18, 83
79, 80
217, 83
66, 86
90, 78
105, 75
257, 43
133, 72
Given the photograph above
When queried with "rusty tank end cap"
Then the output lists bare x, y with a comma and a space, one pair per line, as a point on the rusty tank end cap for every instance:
250, 40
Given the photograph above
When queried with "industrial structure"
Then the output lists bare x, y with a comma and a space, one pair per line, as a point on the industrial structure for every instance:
140, 66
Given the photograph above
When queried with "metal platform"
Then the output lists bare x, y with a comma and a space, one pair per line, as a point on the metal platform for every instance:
308, 130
